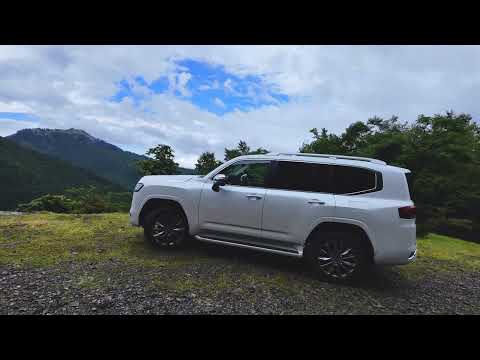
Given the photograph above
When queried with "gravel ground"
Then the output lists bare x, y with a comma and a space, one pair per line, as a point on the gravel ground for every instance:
236, 281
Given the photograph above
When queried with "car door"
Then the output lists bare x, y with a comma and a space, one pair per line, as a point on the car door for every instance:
298, 198
235, 211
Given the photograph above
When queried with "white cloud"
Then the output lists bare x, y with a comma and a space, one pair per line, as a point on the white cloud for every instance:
178, 82
14, 106
219, 102
228, 85
330, 86
204, 87
9, 126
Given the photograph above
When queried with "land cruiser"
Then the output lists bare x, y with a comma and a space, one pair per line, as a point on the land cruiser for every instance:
340, 213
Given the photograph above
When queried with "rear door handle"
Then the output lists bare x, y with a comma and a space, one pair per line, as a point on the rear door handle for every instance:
316, 202
253, 197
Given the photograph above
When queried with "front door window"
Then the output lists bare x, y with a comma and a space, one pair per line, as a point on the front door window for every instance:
252, 174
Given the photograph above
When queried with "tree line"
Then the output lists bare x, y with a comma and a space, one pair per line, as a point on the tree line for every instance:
442, 151
162, 159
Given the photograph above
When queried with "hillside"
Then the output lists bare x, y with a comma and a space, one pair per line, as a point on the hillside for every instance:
83, 150
26, 174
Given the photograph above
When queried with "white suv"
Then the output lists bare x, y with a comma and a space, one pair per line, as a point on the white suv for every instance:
340, 213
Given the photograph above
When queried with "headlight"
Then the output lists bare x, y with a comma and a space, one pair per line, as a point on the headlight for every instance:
138, 187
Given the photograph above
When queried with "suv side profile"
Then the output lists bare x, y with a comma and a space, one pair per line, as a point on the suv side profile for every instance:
340, 213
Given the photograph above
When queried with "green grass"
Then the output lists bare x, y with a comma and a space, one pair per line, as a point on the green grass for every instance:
437, 253
45, 239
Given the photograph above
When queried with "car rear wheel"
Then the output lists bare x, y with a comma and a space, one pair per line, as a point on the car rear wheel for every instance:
166, 228
337, 256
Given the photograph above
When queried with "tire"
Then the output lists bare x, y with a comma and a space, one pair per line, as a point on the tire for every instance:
337, 256
166, 228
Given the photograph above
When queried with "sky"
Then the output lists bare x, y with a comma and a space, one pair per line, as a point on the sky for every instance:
205, 98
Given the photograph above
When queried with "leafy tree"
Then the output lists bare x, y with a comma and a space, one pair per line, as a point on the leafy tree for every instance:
323, 143
242, 149
161, 161
259, 151
206, 163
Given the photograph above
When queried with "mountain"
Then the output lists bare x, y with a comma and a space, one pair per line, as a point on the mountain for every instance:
26, 174
85, 151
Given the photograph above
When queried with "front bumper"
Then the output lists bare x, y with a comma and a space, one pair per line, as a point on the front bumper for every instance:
133, 217
412, 256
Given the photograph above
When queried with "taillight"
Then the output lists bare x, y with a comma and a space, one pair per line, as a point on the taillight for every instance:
407, 212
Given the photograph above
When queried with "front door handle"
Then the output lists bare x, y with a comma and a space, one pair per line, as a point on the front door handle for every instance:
316, 202
253, 197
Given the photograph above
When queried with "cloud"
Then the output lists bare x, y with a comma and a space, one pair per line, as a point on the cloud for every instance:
10, 126
178, 82
228, 85
219, 102
312, 86
14, 106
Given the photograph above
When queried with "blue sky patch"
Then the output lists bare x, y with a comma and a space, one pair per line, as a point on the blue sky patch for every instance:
209, 87
18, 116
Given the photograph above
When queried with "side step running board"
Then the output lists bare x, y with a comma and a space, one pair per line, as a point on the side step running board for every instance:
245, 246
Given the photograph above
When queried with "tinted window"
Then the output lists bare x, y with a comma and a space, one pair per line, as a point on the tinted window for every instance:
410, 184
301, 176
246, 173
349, 180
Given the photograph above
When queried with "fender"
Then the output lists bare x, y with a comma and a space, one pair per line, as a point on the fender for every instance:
188, 210
358, 223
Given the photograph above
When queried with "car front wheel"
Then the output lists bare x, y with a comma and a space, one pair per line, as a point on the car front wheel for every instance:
165, 228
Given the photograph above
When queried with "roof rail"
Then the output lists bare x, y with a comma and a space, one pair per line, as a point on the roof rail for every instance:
358, 158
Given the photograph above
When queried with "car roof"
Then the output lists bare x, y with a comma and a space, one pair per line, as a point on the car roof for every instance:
357, 161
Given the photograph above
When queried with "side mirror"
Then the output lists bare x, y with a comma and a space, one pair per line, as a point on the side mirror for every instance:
218, 180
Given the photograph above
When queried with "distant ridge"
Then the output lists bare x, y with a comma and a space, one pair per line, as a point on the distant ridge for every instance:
26, 174
86, 151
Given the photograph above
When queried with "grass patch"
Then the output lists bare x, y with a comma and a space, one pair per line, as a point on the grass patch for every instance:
443, 254
45, 239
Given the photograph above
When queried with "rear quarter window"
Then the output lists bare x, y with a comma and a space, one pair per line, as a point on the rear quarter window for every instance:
408, 177
349, 180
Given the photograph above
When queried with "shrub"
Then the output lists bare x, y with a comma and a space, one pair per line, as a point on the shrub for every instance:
53, 203
84, 200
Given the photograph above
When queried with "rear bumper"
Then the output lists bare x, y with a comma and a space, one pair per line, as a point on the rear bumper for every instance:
398, 246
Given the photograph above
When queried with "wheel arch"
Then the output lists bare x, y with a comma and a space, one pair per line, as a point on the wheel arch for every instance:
158, 203
337, 226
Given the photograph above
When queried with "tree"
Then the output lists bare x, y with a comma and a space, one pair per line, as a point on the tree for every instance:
162, 162
242, 149
259, 151
323, 143
206, 163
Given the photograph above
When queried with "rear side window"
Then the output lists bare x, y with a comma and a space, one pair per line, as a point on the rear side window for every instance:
354, 180
289, 175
